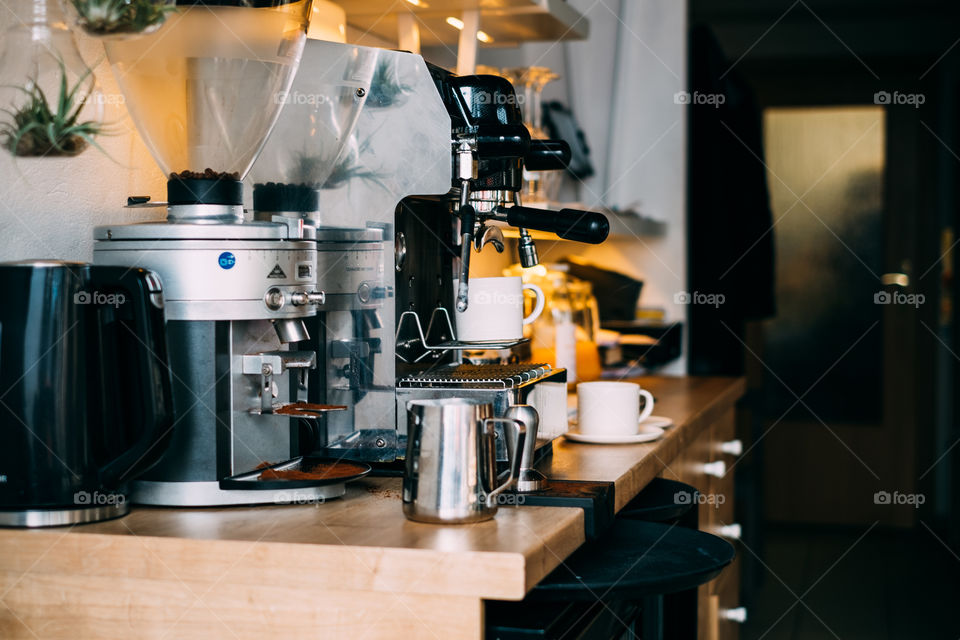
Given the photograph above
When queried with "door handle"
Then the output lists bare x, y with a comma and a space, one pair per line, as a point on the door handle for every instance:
895, 279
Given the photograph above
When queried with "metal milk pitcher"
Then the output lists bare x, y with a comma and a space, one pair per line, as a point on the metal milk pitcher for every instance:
451, 465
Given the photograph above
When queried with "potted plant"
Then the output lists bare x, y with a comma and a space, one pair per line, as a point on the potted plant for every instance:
104, 18
34, 127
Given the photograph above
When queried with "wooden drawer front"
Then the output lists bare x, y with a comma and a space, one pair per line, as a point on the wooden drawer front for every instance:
728, 592
725, 433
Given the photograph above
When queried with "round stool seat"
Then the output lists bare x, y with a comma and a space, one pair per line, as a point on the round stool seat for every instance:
661, 501
635, 559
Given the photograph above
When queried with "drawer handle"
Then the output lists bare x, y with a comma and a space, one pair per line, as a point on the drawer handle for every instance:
716, 469
739, 614
730, 531
733, 447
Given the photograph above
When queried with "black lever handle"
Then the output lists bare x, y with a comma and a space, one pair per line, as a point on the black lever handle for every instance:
547, 155
570, 224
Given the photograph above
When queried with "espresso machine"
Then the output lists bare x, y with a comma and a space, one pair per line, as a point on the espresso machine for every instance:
203, 93
490, 150
403, 177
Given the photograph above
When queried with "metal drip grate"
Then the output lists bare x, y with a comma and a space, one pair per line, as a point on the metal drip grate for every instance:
481, 376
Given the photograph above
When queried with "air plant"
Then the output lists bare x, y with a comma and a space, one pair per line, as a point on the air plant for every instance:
37, 129
116, 17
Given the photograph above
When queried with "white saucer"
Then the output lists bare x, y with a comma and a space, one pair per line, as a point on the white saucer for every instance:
657, 421
647, 434
661, 422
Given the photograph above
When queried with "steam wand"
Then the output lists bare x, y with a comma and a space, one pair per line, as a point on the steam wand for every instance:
467, 166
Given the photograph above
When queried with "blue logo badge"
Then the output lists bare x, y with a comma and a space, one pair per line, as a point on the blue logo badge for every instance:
227, 260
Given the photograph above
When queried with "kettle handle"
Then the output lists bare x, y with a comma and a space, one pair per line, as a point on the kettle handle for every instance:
514, 452
147, 366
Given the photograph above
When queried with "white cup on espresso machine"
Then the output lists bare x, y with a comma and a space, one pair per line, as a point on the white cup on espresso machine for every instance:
495, 309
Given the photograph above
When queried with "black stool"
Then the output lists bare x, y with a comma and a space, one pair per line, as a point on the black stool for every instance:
664, 500
634, 562
672, 502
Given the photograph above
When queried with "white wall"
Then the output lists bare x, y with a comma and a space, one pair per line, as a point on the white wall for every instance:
49, 206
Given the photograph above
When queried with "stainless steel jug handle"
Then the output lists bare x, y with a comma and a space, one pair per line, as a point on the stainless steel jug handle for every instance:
514, 452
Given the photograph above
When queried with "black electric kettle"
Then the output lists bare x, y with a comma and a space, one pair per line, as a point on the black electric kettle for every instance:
85, 403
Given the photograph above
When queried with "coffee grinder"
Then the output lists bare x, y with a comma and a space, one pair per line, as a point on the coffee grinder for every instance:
204, 92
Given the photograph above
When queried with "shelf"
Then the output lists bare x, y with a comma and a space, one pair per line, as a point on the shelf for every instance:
507, 22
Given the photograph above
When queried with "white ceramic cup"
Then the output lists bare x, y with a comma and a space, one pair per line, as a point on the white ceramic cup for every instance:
611, 408
495, 309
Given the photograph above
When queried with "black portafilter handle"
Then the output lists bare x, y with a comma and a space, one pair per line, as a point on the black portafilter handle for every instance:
547, 155
570, 224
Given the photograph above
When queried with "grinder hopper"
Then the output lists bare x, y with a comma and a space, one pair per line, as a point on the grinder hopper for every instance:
313, 146
205, 90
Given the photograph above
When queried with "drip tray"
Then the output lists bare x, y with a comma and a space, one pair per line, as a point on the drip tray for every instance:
303, 472
478, 376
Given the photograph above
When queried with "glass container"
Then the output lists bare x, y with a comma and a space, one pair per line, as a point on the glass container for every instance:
313, 145
118, 18
50, 103
539, 186
565, 333
205, 90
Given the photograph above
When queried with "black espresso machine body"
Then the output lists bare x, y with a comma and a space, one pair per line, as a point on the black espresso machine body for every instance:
85, 400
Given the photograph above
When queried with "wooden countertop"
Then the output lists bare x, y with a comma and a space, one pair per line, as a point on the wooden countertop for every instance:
360, 543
